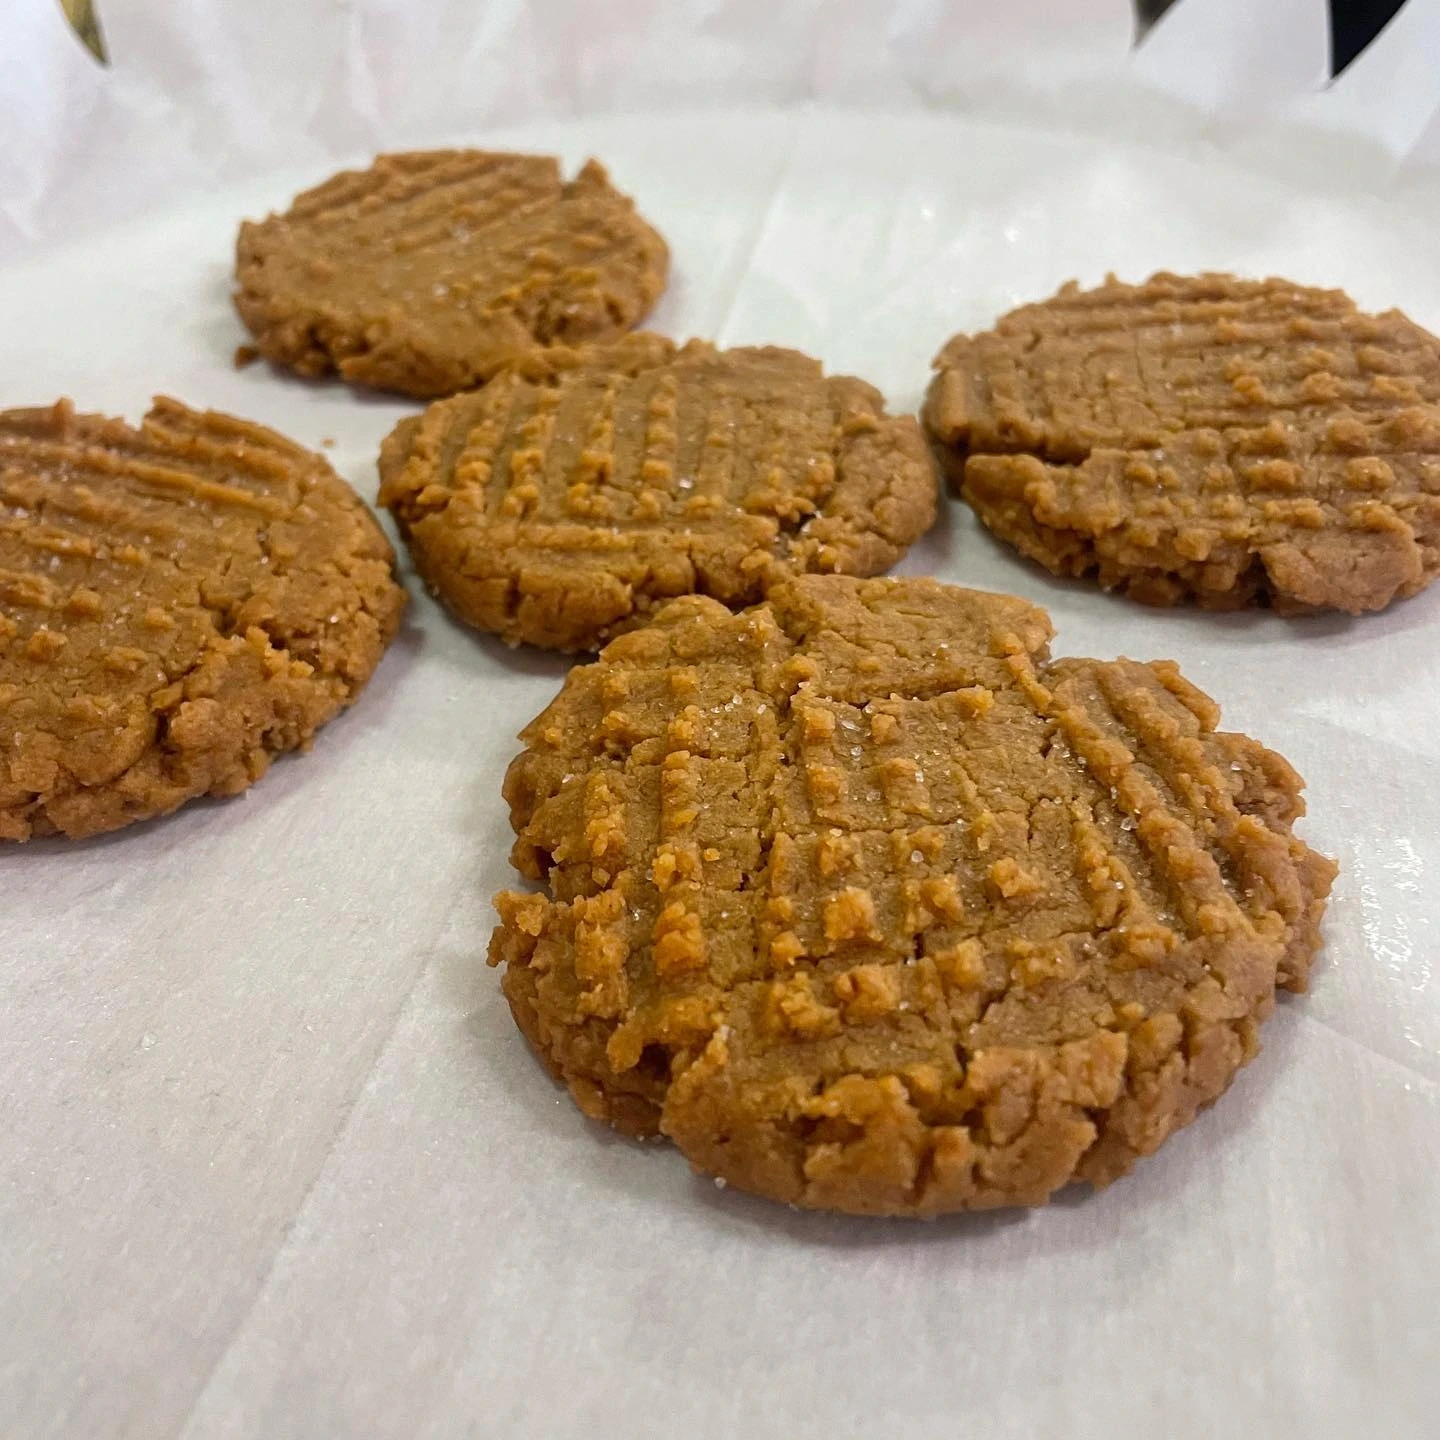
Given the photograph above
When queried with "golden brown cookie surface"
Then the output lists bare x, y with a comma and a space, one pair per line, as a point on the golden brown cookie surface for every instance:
561, 502
178, 604
427, 271
1206, 438
870, 906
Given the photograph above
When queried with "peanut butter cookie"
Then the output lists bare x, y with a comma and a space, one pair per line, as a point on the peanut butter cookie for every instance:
426, 272
178, 604
870, 906
1211, 439
565, 499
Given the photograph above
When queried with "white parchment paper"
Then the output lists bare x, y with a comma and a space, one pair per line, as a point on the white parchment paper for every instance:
274, 1161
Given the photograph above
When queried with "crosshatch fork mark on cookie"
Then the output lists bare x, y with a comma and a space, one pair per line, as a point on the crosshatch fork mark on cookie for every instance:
429, 270
562, 501
868, 906
1203, 438
178, 604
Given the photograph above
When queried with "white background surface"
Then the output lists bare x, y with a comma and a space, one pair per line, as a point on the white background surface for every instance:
274, 1161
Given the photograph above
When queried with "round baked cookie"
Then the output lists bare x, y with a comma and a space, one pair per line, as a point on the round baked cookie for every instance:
426, 272
1203, 438
178, 604
562, 501
870, 906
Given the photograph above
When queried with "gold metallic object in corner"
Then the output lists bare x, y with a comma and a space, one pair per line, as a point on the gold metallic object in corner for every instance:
86, 24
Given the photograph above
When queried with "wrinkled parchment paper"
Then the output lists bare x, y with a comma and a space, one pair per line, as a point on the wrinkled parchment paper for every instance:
274, 1161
